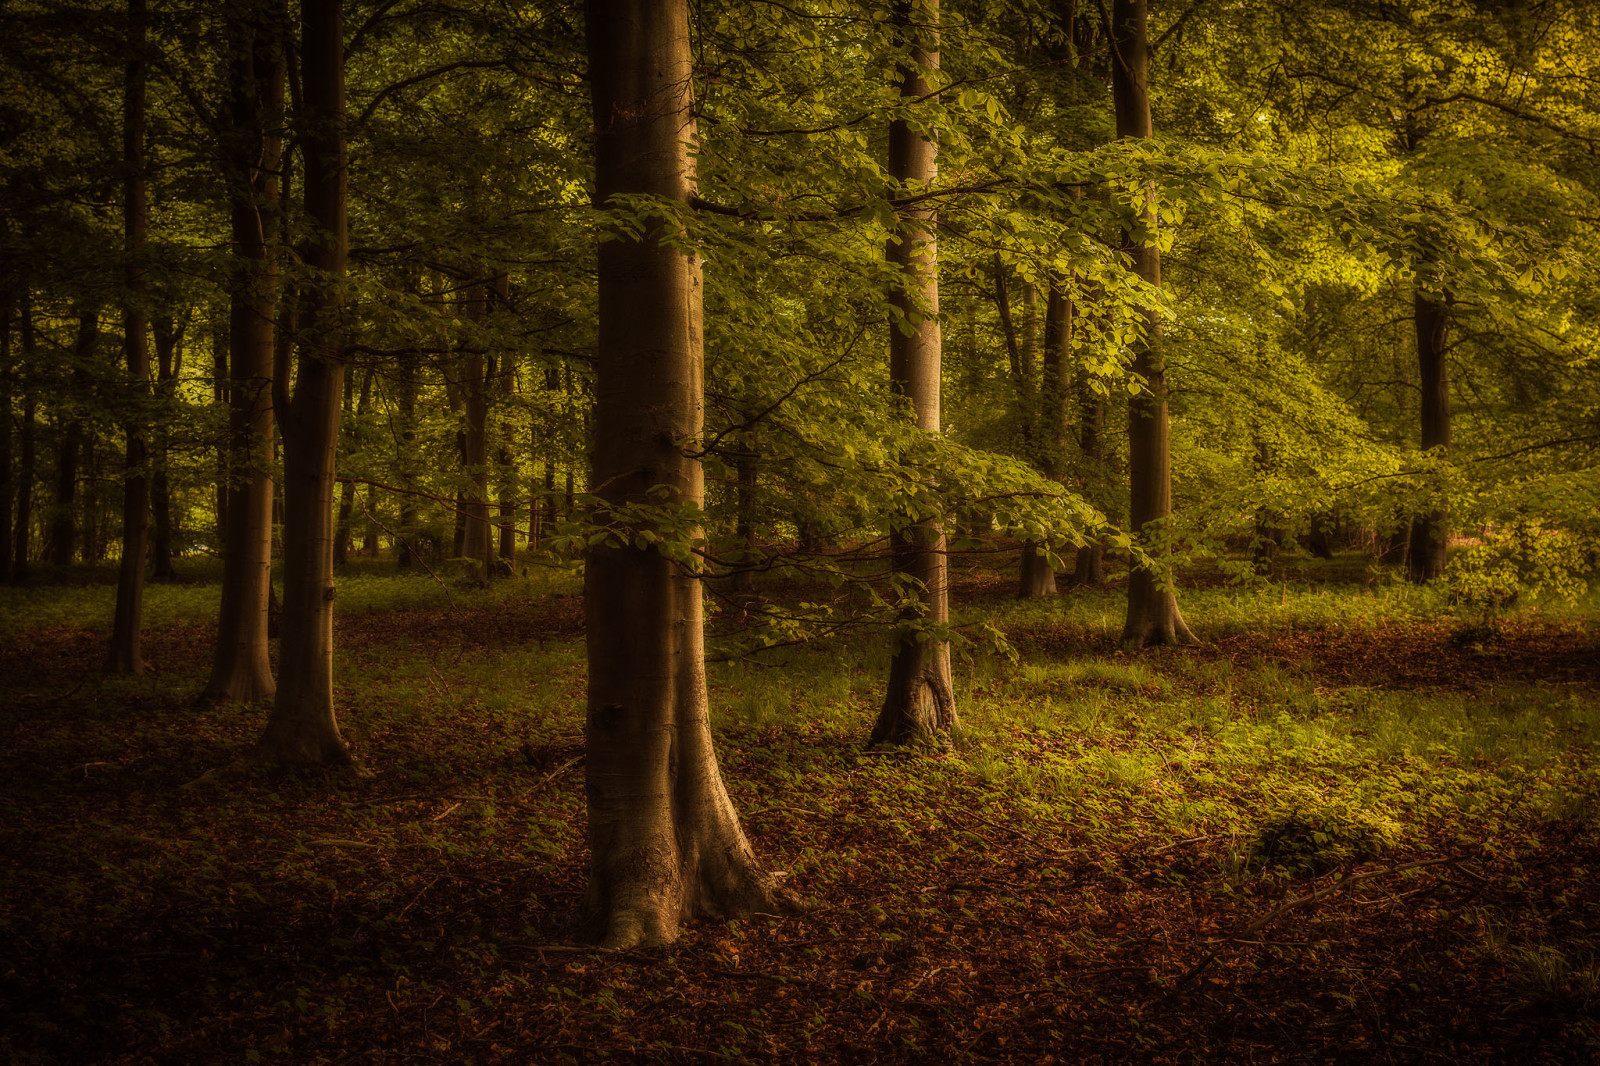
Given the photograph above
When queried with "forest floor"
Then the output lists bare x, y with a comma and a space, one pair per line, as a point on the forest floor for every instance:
1351, 827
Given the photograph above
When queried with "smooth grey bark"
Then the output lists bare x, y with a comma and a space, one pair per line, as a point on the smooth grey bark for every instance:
665, 843
303, 728
919, 705
1153, 616
241, 670
405, 551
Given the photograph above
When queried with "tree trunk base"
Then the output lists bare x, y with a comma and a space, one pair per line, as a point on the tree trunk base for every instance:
1426, 552
1089, 568
920, 707
1153, 616
647, 905
289, 744
239, 685
1037, 578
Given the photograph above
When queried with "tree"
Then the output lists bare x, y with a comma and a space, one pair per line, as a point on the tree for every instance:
1153, 616
8, 492
127, 623
665, 843
303, 728
920, 702
26, 442
241, 670
168, 335
1038, 577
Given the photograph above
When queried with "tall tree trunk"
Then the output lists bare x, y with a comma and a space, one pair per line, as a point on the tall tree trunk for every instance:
404, 549
1153, 616
665, 843
369, 534
1008, 326
219, 397
26, 443
93, 550
503, 376
347, 490
920, 704
475, 441
507, 551
8, 488
303, 728
168, 362
241, 670
1089, 566
64, 517
1429, 532
128, 620
1038, 577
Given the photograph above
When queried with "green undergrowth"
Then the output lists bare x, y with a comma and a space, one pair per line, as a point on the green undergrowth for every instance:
366, 589
159, 900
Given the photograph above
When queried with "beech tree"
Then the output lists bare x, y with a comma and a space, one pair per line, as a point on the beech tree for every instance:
1153, 616
124, 657
252, 154
665, 843
303, 728
920, 702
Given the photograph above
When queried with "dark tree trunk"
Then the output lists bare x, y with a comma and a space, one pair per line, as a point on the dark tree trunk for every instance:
8, 488
353, 442
665, 843
1089, 567
919, 705
503, 376
369, 534
27, 445
168, 363
127, 624
507, 550
303, 728
1429, 532
93, 550
475, 543
1269, 532
1008, 326
1038, 577
1153, 616
404, 549
64, 516
241, 670
552, 507
219, 396
347, 490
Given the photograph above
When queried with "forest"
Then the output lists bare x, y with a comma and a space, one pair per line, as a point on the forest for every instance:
799, 531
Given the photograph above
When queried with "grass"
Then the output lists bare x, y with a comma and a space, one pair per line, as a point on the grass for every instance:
1075, 878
